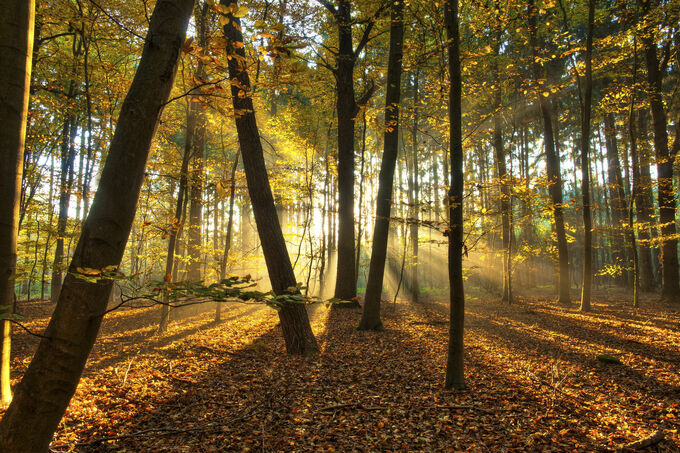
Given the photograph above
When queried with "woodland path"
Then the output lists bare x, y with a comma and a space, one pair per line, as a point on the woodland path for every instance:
534, 381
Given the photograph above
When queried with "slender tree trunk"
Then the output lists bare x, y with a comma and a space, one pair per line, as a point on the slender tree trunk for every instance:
455, 377
370, 319
552, 162
230, 231
415, 201
636, 182
644, 206
615, 180
16, 35
502, 175
585, 166
664, 168
294, 321
177, 219
194, 236
361, 197
51, 379
65, 186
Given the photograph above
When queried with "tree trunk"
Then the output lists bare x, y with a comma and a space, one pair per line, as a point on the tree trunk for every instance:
617, 197
552, 163
16, 35
194, 236
585, 166
414, 190
370, 319
177, 219
345, 287
294, 321
51, 379
664, 168
644, 207
455, 377
230, 230
65, 186
502, 176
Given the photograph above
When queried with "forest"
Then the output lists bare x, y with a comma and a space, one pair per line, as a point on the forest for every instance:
339, 225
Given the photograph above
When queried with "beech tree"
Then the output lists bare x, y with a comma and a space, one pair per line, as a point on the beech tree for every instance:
586, 109
370, 319
455, 377
52, 376
16, 35
293, 315
347, 109
552, 158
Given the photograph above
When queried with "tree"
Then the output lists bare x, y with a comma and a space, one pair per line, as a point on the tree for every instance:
16, 34
586, 109
52, 376
455, 377
370, 319
347, 109
552, 158
664, 158
293, 315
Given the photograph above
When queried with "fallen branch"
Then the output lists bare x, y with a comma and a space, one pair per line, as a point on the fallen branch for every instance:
336, 407
654, 439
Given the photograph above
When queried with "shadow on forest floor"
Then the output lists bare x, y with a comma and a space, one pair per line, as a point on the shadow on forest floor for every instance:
534, 383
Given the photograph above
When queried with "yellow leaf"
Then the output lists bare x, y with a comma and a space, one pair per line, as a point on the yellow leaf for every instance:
241, 11
88, 271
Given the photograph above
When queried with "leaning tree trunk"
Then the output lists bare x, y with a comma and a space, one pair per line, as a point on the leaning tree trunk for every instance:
585, 166
370, 319
16, 34
294, 321
455, 377
552, 163
51, 379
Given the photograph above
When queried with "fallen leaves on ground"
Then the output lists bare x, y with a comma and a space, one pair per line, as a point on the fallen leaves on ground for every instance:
533, 375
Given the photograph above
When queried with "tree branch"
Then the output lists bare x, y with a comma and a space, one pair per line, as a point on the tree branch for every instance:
369, 27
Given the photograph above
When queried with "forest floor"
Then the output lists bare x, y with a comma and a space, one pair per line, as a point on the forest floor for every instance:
534, 381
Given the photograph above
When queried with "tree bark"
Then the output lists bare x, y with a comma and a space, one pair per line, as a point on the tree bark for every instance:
370, 319
415, 192
16, 35
502, 175
51, 379
194, 236
585, 166
617, 196
664, 168
294, 321
345, 287
644, 207
175, 227
65, 186
552, 162
455, 377
230, 231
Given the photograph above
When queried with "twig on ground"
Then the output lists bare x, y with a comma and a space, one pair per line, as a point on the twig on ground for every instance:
648, 441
